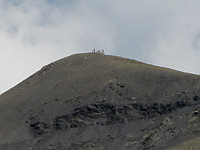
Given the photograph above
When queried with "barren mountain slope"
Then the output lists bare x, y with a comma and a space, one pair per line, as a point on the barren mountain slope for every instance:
100, 102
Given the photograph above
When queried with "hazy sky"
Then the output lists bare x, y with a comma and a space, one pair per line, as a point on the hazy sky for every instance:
34, 33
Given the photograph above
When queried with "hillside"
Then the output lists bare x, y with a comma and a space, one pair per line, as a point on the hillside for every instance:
99, 102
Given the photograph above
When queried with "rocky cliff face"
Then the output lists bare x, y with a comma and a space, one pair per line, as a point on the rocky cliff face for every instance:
94, 101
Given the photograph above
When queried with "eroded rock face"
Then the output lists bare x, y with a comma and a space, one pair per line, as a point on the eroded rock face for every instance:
160, 122
103, 113
107, 114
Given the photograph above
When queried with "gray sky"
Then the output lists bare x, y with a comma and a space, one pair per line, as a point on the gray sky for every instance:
34, 33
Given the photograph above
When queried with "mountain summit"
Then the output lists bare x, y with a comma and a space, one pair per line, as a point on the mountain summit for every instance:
99, 102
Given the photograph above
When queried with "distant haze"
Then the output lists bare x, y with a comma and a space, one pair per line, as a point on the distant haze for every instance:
34, 33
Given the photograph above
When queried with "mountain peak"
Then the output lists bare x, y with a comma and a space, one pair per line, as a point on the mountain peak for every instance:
97, 101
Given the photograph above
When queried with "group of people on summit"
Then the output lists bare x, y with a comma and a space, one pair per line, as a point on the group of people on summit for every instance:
98, 51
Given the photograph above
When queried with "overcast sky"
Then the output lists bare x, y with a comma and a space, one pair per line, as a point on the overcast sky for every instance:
34, 33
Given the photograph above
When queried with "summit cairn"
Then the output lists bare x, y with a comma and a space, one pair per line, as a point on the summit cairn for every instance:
98, 51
